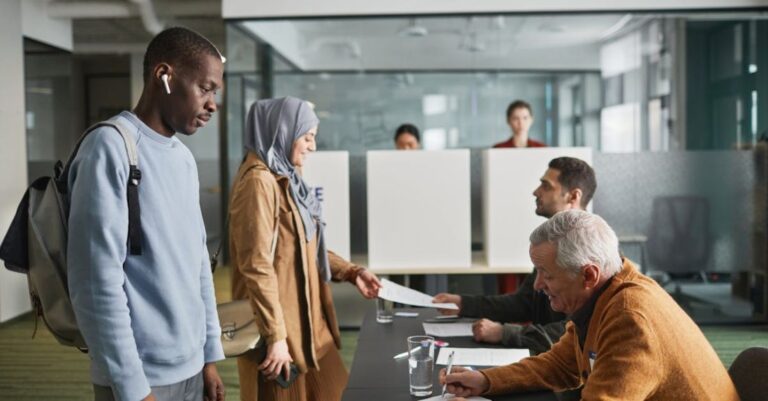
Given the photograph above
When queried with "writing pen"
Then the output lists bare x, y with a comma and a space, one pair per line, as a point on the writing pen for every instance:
447, 372
438, 343
402, 355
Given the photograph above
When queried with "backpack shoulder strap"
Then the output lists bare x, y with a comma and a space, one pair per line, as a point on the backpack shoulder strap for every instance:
134, 178
130, 143
130, 148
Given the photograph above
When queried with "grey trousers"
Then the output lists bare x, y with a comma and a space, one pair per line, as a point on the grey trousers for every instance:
187, 390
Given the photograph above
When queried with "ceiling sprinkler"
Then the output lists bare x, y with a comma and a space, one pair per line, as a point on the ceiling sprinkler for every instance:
473, 44
498, 23
414, 30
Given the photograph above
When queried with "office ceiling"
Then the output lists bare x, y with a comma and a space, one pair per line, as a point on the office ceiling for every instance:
544, 42
513, 42
123, 26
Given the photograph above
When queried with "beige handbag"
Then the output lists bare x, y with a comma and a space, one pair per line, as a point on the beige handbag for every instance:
239, 333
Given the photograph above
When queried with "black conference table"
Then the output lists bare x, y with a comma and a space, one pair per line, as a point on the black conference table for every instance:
376, 375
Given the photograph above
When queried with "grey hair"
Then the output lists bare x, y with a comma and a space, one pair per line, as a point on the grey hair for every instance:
581, 238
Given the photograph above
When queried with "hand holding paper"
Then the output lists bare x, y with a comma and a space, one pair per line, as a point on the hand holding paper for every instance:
446, 298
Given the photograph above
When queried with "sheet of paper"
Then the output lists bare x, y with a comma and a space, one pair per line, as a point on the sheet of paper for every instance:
397, 293
449, 396
482, 356
448, 329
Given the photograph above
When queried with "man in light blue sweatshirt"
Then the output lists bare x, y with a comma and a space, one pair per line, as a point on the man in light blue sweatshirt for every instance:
149, 320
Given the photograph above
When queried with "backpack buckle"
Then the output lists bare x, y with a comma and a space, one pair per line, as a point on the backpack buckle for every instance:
134, 177
58, 169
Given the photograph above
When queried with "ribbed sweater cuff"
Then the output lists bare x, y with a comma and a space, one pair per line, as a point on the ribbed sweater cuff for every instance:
511, 335
132, 388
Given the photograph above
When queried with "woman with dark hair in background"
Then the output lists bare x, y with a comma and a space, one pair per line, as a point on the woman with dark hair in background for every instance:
407, 137
520, 120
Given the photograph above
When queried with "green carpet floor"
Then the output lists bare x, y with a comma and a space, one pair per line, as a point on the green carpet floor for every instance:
39, 369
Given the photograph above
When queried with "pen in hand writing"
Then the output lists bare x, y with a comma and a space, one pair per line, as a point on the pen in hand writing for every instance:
447, 372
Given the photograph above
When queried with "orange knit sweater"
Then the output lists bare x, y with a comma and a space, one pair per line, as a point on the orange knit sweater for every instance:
640, 346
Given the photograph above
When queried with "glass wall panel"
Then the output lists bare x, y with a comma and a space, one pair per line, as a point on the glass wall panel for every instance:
48, 106
242, 88
699, 213
361, 111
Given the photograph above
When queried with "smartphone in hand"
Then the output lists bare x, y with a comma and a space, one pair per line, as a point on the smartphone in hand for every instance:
294, 373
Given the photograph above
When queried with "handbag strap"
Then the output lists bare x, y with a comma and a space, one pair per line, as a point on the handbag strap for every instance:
215, 257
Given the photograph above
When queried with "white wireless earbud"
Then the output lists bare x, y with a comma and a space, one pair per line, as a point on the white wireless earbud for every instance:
164, 77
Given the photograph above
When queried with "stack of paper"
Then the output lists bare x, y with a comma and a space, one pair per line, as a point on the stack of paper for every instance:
482, 356
448, 329
449, 396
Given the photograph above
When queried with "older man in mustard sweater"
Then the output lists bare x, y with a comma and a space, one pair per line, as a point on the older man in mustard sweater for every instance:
627, 339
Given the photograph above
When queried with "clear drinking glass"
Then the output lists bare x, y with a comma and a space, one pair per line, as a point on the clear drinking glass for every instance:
421, 352
384, 311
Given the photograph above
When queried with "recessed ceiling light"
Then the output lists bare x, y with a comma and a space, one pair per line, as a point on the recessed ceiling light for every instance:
550, 27
476, 47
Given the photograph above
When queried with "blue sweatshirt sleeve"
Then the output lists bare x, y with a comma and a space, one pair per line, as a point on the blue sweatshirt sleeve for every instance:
97, 249
213, 350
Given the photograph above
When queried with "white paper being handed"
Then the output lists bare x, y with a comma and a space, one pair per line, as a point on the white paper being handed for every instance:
397, 293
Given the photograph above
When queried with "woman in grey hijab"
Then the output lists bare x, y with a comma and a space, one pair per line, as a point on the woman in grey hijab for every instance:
277, 247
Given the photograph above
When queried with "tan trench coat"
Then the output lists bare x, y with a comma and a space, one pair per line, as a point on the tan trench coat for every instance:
287, 296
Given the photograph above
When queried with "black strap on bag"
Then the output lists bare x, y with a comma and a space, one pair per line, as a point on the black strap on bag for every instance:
134, 211
215, 256
134, 179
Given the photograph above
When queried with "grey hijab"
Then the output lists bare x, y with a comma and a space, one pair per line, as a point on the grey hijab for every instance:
270, 131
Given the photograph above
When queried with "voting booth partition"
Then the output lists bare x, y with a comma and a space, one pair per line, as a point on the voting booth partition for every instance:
509, 178
327, 172
419, 212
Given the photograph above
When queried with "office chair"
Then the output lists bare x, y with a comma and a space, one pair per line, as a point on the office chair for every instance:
748, 373
679, 244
